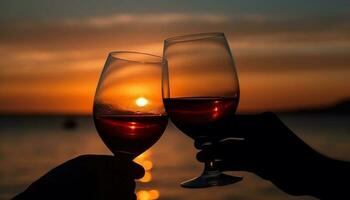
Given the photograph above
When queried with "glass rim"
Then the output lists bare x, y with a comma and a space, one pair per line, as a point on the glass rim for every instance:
193, 37
114, 55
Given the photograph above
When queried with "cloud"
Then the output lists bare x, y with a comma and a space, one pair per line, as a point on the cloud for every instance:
160, 18
44, 58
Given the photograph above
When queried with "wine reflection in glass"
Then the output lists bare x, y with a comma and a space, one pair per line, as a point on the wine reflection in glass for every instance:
200, 89
128, 109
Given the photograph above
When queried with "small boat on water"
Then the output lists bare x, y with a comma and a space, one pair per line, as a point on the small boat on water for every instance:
70, 124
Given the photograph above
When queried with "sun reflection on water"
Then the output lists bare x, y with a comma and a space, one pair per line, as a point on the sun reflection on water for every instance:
143, 194
146, 178
147, 194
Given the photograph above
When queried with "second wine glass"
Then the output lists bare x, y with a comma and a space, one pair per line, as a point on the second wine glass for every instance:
200, 88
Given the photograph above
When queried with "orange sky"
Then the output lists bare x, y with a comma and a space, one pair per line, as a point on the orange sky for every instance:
53, 66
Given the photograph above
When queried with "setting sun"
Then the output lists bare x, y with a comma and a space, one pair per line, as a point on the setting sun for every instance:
141, 101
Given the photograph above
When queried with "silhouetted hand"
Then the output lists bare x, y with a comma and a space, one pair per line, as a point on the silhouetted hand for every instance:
272, 151
87, 177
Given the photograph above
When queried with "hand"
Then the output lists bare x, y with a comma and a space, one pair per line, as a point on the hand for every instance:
87, 177
272, 151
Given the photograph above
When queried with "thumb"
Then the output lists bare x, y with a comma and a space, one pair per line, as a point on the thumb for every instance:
224, 149
126, 166
137, 170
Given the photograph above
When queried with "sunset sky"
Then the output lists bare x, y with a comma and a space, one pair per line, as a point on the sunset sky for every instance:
289, 54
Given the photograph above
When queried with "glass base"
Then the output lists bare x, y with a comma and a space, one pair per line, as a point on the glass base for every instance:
210, 179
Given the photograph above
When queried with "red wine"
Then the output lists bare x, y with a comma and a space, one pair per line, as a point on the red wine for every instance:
194, 116
130, 134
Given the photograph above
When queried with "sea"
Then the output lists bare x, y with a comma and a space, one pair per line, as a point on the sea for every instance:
32, 145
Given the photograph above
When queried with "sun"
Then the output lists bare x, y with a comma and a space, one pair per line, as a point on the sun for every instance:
141, 101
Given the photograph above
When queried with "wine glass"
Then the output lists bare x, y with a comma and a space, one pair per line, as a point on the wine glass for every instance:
128, 108
200, 89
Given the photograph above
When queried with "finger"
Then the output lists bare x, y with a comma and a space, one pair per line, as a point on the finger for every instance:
138, 170
236, 163
116, 187
206, 155
127, 167
133, 196
231, 145
118, 181
224, 149
237, 126
202, 142
88, 163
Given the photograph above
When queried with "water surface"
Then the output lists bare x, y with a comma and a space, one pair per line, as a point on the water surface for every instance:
30, 146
